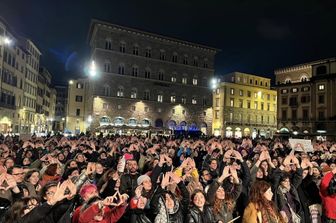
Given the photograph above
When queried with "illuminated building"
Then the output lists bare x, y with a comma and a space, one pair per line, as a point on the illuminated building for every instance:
307, 101
244, 105
144, 79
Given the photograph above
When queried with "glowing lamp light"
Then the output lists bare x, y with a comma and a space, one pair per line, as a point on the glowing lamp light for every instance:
71, 82
93, 69
7, 41
295, 133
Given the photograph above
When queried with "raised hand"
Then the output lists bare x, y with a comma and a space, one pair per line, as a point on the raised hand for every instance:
176, 179
225, 174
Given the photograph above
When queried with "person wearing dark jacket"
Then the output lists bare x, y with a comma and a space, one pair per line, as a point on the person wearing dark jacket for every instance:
199, 211
165, 204
309, 194
223, 202
128, 181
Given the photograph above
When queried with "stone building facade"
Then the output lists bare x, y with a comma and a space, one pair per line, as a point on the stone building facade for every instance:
148, 79
307, 98
244, 105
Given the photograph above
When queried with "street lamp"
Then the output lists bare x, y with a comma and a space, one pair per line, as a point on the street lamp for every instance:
214, 83
93, 69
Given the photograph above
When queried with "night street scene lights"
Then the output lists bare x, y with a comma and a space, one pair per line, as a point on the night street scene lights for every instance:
5, 41
214, 83
93, 69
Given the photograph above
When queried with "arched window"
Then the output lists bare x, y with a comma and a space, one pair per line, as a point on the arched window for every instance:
122, 47
107, 90
174, 58
147, 73
118, 121
132, 122
135, 70
145, 122
120, 92
134, 93
161, 75
121, 68
104, 120
146, 95
107, 66
288, 81
108, 44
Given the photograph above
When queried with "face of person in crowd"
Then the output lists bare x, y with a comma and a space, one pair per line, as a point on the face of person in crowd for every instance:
29, 154
260, 174
74, 173
18, 174
26, 162
316, 172
264, 165
169, 201
34, 178
103, 156
249, 163
132, 166
9, 163
220, 193
50, 193
268, 194
99, 168
333, 166
199, 200
305, 173
275, 162
80, 158
286, 183
61, 157
73, 164
117, 185
142, 201
244, 153
147, 184
213, 165
32, 203
59, 170
25, 192
169, 161
206, 175
287, 168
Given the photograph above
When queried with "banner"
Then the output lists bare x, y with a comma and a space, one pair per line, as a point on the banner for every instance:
301, 145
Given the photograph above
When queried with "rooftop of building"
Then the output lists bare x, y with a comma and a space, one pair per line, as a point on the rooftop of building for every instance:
302, 66
152, 35
245, 74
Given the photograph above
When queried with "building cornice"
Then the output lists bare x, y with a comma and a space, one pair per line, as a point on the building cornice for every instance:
137, 32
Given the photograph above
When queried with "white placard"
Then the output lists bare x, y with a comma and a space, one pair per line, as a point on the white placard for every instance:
301, 145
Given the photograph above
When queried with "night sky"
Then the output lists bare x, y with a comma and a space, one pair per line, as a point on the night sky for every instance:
254, 36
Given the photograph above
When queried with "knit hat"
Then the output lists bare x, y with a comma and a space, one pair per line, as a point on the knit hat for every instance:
142, 178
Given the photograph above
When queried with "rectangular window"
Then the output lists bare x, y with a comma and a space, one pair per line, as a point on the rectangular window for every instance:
160, 98
231, 102
232, 91
194, 81
284, 100
240, 103
262, 106
133, 94
174, 58
284, 114
162, 55
79, 85
321, 115
255, 95
231, 117
284, 91
249, 94
173, 99
216, 114
241, 93
268, 96
255, 105
248, 104
305, 114
217, 91
294, 114
217, 102
321, 99
122, 47
173, 79
268, 107
77, 112
184, 100
321, 87
193, 101
79, 98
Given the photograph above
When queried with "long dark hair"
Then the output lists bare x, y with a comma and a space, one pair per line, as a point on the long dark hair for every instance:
219, 203
257, 197
16, 211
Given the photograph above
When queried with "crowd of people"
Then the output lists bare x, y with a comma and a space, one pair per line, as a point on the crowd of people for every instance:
137, 179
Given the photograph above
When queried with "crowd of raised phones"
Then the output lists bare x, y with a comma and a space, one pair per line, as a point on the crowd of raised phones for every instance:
90, 179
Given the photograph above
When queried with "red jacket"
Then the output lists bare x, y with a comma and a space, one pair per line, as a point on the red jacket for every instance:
111, 215
328, 201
